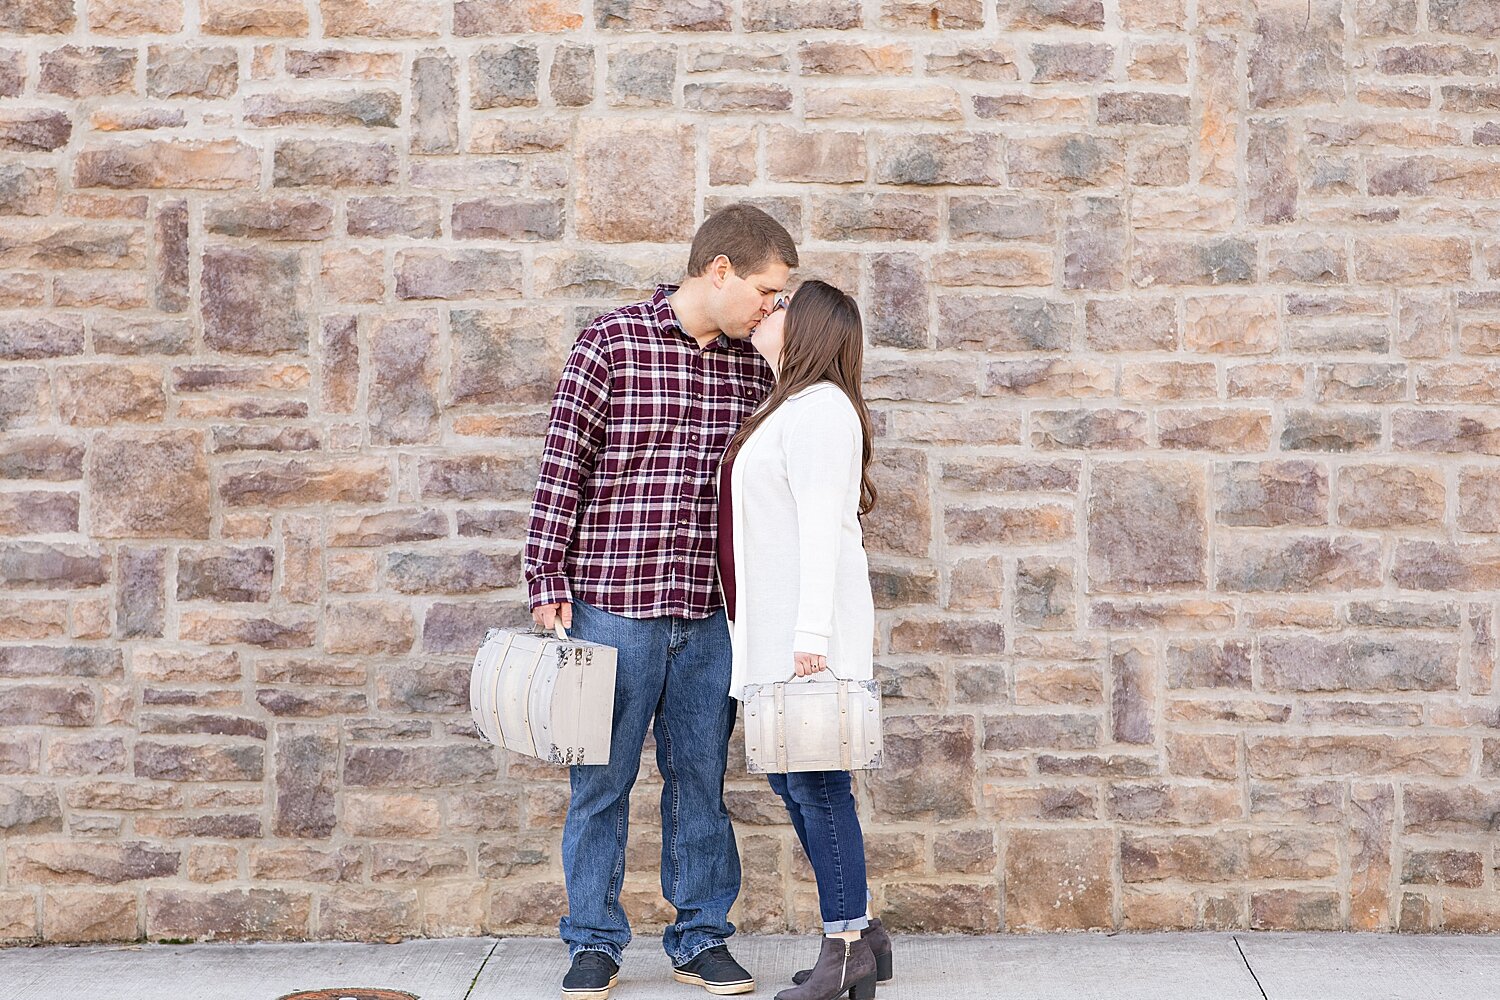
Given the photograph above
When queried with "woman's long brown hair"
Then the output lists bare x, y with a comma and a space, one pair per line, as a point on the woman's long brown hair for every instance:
823, 341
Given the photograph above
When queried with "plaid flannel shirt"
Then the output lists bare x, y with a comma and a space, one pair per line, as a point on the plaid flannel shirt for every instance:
625, 514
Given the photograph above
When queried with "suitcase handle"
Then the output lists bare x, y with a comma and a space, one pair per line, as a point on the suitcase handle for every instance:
812, 678
557, 627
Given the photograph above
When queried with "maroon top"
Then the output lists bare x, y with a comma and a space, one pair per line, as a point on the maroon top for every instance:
625, 501
726, 537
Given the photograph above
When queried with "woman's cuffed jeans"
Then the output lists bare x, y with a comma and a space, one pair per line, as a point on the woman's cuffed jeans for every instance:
672, 674
821, 806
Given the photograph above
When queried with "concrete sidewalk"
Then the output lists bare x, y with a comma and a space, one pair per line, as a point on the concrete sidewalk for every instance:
1242, 966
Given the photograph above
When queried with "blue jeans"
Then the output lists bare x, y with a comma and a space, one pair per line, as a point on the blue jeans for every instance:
673, 673
821, 805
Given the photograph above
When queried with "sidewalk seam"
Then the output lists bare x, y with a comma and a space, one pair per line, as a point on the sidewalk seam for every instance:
475, 981
1248, 968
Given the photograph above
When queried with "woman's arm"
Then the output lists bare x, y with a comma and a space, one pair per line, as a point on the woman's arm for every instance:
824, 451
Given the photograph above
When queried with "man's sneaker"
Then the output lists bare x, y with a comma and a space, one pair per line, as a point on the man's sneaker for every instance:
592, 975
716, 971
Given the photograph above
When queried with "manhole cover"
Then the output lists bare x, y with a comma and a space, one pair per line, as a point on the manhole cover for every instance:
350, 993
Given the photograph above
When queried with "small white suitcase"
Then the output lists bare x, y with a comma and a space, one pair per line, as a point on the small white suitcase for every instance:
550, 698
817, 724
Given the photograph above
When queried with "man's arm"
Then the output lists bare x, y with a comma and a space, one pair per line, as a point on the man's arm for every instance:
575, 433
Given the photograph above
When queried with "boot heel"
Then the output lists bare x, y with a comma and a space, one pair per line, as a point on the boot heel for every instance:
863, 989
884, 968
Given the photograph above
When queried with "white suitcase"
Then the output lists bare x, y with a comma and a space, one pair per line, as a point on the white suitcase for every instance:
821, 723
550, 698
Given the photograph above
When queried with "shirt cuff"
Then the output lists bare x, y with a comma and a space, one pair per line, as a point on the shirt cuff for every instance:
550, 590
810, 642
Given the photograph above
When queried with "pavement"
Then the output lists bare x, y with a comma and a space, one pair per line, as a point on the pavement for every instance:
1239, 966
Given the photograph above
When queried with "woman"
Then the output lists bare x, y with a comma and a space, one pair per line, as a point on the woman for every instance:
794, 481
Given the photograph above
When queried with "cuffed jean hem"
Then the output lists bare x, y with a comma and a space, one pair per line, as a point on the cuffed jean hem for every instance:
837, 926
614, 953
688, 956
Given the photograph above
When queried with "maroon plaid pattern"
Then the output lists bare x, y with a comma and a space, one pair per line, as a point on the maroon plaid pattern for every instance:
625, 515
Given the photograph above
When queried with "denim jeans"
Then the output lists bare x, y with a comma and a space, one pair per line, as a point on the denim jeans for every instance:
672, 673
821, 805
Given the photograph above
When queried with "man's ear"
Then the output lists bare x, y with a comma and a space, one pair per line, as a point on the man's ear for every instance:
720, 270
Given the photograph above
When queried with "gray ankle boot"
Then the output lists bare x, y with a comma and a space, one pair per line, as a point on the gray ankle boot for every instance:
879, 940
843, 967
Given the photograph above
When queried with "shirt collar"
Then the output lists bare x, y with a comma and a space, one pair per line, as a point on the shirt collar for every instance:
666, 317
661, 309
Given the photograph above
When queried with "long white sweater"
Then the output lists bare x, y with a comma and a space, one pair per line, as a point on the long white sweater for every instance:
802, 580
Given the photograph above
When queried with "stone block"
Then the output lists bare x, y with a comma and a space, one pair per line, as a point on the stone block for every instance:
403, 404
304, 482
1065, 163
274, 18
885, 104
206, 165
975, 158
202, 72
227, 914
1146, 527
89, 916
255, 301
571, 78
1390, 496
641, 76
928, 770
613, 161
369, 627
148, 484
814, 157
663, 15
232, 575
84, 863
333, 163
1189, 857
305, 763
1296, 57
278, 630
30, 130
1058, 880
79, 72
72, 705
1299, 564
1365, 755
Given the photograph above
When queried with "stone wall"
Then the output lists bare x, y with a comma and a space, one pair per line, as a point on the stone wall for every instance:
1184, 317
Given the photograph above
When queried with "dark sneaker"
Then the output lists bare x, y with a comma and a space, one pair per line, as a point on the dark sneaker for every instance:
716, 971
592, 975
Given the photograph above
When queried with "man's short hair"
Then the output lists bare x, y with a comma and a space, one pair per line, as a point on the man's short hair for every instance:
749, 237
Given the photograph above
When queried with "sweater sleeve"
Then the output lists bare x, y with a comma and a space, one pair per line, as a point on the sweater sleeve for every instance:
824, 451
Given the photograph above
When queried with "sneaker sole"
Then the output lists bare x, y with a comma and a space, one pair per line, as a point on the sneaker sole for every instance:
717, 989
591, 994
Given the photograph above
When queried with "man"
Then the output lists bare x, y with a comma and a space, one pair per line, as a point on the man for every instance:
621, 549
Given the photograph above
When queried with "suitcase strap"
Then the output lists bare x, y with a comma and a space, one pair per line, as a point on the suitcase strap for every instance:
846, 752
499, 662
526, 709
781, 763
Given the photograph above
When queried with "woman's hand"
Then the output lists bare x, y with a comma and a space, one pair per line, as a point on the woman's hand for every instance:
808, 664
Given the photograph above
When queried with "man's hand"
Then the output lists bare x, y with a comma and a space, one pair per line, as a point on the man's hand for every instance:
547, 615
809, 663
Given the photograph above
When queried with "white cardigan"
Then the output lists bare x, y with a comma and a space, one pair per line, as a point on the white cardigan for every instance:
802, 580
